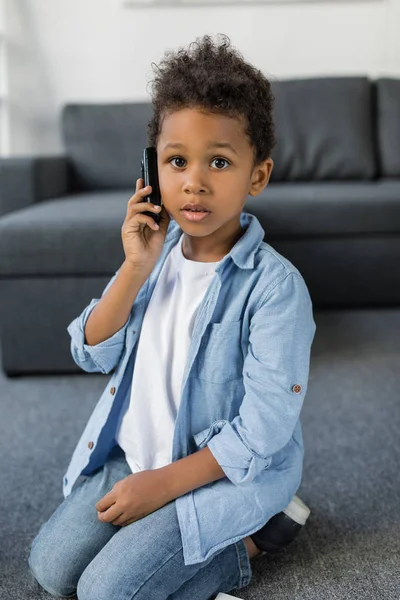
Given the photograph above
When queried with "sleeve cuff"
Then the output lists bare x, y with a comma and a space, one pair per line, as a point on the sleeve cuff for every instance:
100, 353
239, 464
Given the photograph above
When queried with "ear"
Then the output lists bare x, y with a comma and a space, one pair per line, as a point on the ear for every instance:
260, 176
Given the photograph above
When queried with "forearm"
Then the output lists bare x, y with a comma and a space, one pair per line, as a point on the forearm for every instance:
113, 310
190, 473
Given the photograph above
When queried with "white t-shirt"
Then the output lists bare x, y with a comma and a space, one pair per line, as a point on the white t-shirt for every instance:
146, 426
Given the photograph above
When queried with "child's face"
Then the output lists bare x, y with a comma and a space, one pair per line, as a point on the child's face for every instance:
219, 178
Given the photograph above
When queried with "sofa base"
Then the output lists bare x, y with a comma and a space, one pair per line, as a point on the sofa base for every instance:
347, 272
357, 272
34, 315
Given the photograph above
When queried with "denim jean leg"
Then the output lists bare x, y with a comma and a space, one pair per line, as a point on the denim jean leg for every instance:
145, 560
229, 570
73, 535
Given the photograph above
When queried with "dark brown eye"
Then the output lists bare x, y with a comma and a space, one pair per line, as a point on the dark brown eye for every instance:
223, 160
177, 158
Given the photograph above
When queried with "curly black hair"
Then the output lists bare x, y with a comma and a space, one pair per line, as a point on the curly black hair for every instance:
214, 78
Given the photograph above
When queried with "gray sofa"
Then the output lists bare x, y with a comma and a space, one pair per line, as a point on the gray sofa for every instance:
332, 207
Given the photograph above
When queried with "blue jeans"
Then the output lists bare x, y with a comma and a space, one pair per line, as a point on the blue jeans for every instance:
75, 553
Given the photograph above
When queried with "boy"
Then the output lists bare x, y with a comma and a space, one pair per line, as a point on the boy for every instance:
195, 444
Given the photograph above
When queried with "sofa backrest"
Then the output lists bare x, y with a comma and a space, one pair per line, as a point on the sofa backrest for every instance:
327, 129
324, 129
104, 143
388, 96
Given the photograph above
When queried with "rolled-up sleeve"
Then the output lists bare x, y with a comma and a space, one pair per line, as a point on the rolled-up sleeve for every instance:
275, 377
102, 357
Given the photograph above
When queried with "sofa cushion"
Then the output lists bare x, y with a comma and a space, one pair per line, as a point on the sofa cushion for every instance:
104, 143
324, 129
388, 105
288, 210
81, 234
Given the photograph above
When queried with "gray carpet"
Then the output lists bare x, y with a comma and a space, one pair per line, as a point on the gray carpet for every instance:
350, 548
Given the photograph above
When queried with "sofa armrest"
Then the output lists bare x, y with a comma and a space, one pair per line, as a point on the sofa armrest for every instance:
27, 180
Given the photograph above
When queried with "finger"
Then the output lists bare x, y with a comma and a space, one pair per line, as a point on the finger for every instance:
122, 521
109, 515
138, 209
103, 504
106, 501
145, 220
137, 199
126, 523
140, 184
139, 194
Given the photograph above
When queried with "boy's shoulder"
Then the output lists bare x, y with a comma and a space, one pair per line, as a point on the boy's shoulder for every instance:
269, 259
273, 269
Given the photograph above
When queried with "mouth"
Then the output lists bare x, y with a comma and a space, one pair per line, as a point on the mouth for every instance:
195, 216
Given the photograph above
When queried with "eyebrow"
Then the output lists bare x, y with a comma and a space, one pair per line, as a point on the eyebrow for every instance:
211, 145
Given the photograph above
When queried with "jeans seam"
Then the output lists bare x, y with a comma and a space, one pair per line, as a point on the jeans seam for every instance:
244, 564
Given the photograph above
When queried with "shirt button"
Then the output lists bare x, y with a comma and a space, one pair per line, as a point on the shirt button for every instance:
90, 445
297, 388
133, 331
112, 391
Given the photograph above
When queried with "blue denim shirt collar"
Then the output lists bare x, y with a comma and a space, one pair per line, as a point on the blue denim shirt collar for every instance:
243, 252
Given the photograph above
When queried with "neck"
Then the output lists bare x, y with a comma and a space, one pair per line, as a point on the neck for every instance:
214, 247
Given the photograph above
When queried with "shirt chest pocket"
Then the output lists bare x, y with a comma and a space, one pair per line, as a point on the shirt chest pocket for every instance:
220, 357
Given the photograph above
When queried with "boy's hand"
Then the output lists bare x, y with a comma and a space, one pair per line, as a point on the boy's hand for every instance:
133, 498
141, 239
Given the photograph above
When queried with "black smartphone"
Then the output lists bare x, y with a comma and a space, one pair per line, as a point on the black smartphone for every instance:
150, 176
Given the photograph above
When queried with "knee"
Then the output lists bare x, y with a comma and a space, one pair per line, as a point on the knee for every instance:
51, 577
97, 586
105, 584
92, 590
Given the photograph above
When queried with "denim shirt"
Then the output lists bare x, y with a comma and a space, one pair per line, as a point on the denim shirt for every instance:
242, 390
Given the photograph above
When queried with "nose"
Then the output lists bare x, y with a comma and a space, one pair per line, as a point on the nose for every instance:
195, 182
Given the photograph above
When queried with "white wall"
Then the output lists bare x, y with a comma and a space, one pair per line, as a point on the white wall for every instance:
98, 50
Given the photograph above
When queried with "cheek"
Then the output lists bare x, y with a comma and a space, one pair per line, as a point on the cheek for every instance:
165, 186
168, 196
170, 189
233, 188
